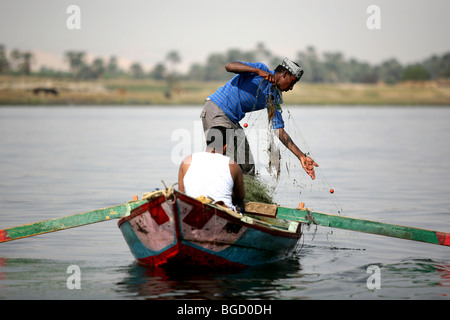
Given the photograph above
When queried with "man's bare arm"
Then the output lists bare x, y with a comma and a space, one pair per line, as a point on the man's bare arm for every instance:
238, 67
238, 188
307, 163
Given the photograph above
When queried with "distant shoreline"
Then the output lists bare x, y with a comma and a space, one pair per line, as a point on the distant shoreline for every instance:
21, 91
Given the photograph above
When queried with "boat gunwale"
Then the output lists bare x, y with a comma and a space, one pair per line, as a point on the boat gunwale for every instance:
257, 222
141, 209
262, 226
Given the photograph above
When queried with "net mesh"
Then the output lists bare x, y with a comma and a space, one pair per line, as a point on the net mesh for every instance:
280, 175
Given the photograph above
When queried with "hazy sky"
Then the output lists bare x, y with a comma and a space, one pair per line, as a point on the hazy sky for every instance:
145, 30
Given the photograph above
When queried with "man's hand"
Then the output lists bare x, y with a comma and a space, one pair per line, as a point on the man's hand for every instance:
308, 164
267, 76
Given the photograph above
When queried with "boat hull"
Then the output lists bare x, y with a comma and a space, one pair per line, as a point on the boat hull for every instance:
182, 230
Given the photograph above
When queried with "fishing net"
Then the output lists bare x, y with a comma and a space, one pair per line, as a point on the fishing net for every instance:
279, 176
277, 169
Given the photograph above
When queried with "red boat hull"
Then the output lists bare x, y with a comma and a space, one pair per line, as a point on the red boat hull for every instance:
184, 231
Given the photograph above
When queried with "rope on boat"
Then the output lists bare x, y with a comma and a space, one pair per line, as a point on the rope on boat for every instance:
220, 205
233, 213
309, 218
167, 192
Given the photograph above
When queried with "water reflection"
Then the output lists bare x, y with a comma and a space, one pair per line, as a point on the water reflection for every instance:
259, 282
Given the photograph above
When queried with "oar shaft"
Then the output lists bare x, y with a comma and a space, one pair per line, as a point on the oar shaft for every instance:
72, 221
367, 226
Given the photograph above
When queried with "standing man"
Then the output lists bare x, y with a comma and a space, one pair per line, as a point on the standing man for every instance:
254, 86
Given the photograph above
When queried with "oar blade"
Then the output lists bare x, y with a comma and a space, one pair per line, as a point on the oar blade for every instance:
443, 238
62, 223
366, 226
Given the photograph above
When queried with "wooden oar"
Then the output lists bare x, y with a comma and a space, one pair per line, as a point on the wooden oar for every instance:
72, 221
379, 228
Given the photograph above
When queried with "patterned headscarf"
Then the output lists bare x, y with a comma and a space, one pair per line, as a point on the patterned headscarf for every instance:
293, 68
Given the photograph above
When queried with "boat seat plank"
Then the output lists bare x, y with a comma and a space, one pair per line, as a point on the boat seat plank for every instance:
263, 209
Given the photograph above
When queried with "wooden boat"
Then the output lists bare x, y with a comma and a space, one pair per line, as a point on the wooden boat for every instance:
180, 230
168, 227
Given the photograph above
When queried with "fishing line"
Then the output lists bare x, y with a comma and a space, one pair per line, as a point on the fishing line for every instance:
292, 177
285, 164
318, 170
339, 239
254, 120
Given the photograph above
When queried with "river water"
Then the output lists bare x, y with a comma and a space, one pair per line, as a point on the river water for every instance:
389, 164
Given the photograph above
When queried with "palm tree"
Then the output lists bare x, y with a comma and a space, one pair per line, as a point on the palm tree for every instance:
136, 70
15, 55
334, 63
390, 71
159, 72
4, 64
112, 68
98, 68
27, 60
174, 58
76, 62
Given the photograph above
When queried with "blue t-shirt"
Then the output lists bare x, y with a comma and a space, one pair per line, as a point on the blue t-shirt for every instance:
248, 92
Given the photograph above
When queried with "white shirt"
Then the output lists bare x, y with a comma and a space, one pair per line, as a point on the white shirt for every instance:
209, 175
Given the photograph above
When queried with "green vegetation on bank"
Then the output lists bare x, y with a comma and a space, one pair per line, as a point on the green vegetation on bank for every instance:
21, 90
320, 67
329, 79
